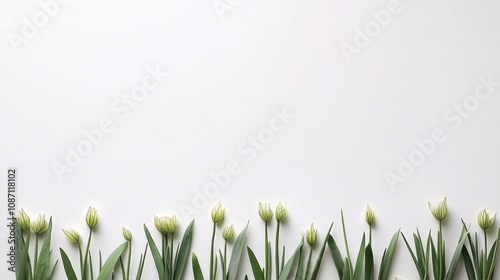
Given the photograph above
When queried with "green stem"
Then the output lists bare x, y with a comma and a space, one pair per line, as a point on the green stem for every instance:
129, 258
28, 238
370, 238
36, 256
92, 266
212, 269
164, 252
85, 261
308, 264
171, 257
122, 267
276, 250
266, 250
81, 257
440, 251
224, 262
485, 257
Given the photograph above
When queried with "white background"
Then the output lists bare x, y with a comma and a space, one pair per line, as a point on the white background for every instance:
353, 120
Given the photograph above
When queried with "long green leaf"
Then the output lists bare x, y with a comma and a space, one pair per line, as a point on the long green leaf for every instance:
68, 267
494, 250
469, 268
142, 261
456, 255
346, 275
338, 260
256, 268
236, 254
22, 255
197, 272
475, 251
43, 268
181, 258
358, 269
285, 272
319, 260
110, 263
427, 256
435, 259
423, 256
53, 269
299, 273
369, 267
415, 260
385, 264
491, 254
349, 263
480, 267
156, 254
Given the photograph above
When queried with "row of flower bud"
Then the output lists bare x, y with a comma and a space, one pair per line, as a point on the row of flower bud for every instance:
169, 225
440, 210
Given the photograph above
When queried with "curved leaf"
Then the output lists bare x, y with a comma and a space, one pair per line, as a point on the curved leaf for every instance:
256, 268
160, 267
181, 257
197, 272
385, 264
317, 265
43, 269
289, 264
22, 255
369, 267
338, 260
68, 267
110, 263
236, 254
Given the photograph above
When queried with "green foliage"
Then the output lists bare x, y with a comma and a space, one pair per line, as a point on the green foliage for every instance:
168, 265
435, 255
479, 265
23, 267
428, 253
41, 268
236, 254
364, 266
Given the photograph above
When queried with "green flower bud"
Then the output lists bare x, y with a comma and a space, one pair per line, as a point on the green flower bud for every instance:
265, 211
311, 235
281, 211
228, 233
126, 234
166, 224
172, 224
439, 210
40, 225
72, 235
217, 212
484, 220
23, 220
369, 215
91, 217
160, 224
